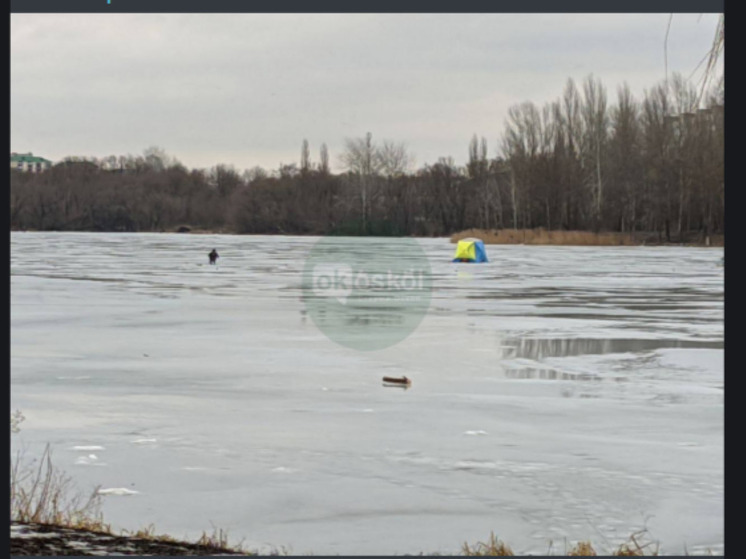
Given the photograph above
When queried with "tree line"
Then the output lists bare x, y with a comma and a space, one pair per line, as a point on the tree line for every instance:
579, 162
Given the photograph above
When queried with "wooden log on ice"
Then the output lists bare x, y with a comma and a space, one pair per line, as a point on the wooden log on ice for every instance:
398, 381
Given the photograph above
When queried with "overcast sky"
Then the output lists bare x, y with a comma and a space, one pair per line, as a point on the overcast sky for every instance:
246, 89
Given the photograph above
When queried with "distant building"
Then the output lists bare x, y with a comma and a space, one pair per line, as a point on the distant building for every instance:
29, 163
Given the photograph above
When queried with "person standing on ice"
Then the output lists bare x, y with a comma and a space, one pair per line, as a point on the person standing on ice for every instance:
213, 256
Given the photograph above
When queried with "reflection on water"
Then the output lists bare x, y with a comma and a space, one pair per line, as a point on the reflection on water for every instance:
551, 374
539, 348
548, 374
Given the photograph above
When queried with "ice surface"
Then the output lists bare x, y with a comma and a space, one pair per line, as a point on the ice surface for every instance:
558, 392
119, 491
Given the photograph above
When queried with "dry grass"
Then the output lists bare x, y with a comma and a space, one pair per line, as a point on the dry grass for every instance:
218, 539
582, 549
16, 418
43, 494
541, 236
148, 533
491, 548
544, 237
636, 547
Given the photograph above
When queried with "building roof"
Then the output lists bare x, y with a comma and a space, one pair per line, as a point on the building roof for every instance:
27, 158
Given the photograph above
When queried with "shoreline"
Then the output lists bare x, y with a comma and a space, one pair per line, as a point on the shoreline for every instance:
525, 237
39, 539
544, 237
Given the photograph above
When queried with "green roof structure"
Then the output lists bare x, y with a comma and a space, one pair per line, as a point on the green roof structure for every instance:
27, 158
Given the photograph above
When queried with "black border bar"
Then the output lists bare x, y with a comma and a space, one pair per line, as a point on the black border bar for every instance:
380, 6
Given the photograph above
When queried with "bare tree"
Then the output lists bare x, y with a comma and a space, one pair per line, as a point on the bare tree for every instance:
522, 141
657, 136
360, 158
625, 173
713, 56
305, 159
472, 167
224, 179
686, 141
596, 122
324, 164
393, 158
156, 158
289, 170
255, 173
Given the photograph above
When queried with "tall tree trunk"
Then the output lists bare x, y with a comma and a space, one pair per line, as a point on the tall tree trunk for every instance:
515, 202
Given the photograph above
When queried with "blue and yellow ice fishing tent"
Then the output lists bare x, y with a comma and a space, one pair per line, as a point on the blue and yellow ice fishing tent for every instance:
470, 250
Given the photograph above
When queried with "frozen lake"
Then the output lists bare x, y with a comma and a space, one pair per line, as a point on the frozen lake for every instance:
559, 393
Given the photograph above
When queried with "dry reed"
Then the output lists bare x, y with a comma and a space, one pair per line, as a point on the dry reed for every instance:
491, 548
541, 236
42, 495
